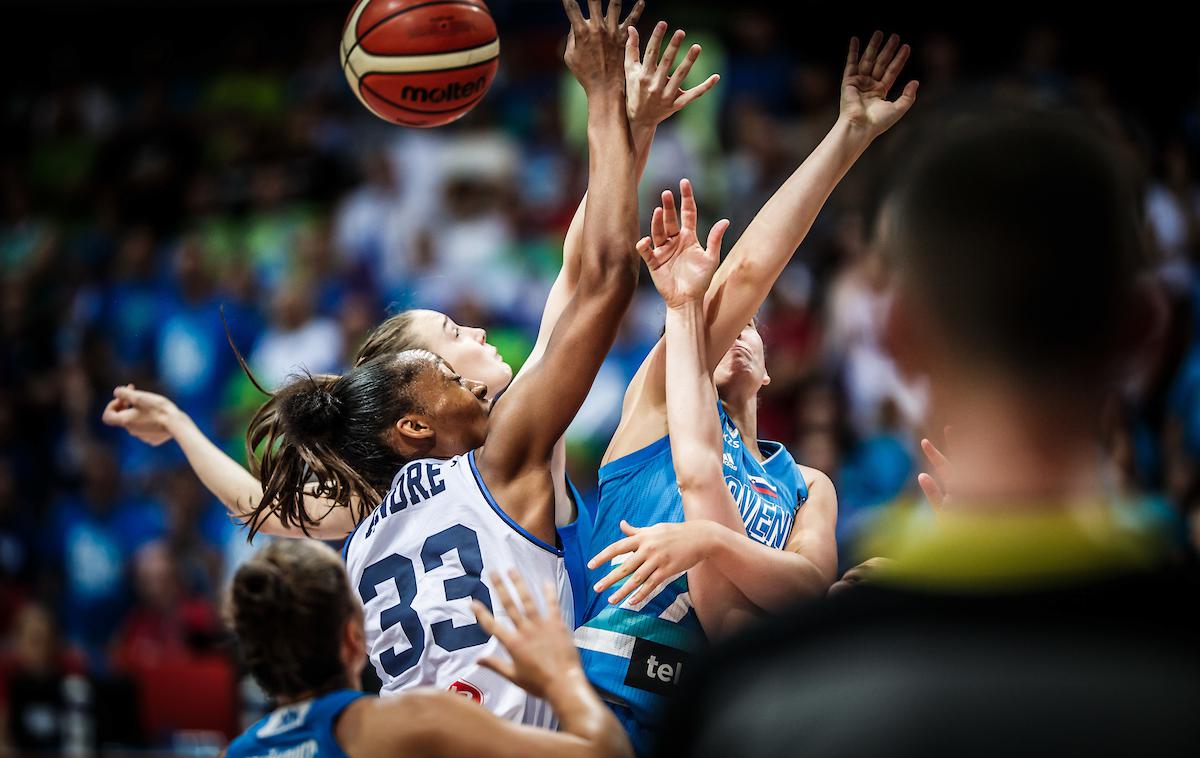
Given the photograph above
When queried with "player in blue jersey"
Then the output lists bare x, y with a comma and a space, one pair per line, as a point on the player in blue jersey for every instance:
313, 670
651, 98
633, 646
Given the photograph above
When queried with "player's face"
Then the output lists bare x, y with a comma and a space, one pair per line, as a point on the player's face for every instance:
465, 348
743, 369
457, 408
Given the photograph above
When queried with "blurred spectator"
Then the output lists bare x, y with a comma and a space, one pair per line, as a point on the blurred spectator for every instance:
297, 339
36, 670
90, 537
167, 620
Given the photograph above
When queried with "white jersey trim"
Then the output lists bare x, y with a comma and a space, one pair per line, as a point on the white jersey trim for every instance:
487, 495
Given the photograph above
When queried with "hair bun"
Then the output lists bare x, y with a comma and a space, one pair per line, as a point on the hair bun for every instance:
309, 409
259, 584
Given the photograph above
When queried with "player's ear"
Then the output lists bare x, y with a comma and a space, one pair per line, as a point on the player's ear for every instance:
354, 643
766, 379
414, 434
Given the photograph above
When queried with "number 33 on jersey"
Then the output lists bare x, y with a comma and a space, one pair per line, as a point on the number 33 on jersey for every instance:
419, 559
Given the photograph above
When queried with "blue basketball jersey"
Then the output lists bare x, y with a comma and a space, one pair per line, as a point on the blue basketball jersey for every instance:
575, 540
299, 730
635, 655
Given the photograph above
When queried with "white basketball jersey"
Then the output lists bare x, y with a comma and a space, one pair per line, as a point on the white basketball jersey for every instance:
419, 559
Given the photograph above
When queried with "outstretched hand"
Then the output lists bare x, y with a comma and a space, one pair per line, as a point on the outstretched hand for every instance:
145, 415
867, 81
596, 45
652, 92
538, 641
679, 266
651, 556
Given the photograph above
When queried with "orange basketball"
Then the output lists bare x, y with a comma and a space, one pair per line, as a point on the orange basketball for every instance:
420, 62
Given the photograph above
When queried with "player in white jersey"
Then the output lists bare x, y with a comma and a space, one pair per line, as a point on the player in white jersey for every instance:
418, 561
653, 93
466, 487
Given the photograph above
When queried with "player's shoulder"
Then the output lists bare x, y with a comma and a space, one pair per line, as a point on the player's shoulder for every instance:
815, 479
411, 722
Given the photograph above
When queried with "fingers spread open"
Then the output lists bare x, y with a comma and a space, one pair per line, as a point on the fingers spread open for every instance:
650, 57
670, 217
885, 56
631, 49
687, 205
658, 232
675, 83
501, 667
612, 551
895, 67
613, 19
867, 63
528, 604
696, 92
715, 235
668, 59
574, 15
635, 13
852, 58
506, 601
636, 580
934, 493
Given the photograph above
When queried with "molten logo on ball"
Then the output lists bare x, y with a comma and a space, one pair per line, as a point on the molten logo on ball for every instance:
452, 91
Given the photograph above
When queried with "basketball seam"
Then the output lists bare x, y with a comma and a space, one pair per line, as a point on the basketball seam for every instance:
428, 70
359, 37
394, 104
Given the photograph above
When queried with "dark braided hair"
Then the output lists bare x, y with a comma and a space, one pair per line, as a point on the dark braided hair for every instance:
299, 586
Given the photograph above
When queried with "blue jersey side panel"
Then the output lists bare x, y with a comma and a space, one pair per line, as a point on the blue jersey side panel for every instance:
299, 730
575, 538
636, 656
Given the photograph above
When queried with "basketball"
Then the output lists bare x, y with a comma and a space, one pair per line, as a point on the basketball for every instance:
420, 63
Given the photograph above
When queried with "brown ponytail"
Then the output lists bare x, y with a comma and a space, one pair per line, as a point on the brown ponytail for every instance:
329, 437
279, 463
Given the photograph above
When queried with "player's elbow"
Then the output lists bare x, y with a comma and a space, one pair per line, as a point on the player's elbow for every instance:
700, 476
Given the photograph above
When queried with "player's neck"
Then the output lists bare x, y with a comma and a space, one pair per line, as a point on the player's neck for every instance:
1009, 453
744, 413
300, 697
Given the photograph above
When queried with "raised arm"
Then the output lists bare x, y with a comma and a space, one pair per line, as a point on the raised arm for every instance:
653, 94
154, 419
534, 413
746, 276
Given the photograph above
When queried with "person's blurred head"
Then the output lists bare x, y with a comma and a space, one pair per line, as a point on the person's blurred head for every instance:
100, 479
156, 577
742, 371
292, 305
1016, 246
35, 638
298, 623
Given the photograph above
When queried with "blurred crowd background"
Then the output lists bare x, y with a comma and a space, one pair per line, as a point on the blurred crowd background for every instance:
211, 155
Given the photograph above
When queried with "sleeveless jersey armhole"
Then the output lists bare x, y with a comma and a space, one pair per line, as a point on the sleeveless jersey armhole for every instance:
487, 495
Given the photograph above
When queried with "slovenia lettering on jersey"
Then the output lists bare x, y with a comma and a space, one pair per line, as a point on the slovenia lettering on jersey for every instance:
767, 520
